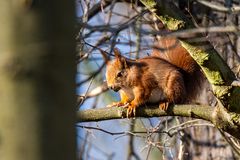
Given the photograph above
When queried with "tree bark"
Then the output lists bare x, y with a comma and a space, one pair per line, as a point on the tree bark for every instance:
195, 111
37, 80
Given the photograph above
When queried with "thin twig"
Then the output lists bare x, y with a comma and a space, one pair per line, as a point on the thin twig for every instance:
83, 98
135, 133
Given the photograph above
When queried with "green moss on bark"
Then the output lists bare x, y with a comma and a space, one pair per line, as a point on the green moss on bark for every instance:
172, 23
234, 100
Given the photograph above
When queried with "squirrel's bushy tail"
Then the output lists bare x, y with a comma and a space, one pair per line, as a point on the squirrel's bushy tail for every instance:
171, 50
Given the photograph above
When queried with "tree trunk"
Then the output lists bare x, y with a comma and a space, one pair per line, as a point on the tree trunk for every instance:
37, 80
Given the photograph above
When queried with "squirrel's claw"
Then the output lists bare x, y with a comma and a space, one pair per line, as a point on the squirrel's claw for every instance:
164, 106
131, 110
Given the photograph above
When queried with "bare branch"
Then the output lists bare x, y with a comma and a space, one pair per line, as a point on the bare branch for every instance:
149, 132
236, 83
96, 8
234, 9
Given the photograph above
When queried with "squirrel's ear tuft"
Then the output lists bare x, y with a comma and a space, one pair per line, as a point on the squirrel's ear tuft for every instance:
105, 56
117, 53
124, 63
120, 58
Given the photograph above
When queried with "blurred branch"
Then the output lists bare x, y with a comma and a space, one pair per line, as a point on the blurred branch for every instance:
79, 102
117, 28
236, 83
131, 151
96, 91
234, 9
96, 8
144, 134
234, 143
102, 40
94, 74
93, 145
93, 93
193, 31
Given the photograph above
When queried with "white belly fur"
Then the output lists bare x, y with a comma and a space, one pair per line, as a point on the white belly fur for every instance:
128, 92
156, 96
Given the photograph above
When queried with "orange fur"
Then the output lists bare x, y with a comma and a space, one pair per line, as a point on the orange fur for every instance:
170, 50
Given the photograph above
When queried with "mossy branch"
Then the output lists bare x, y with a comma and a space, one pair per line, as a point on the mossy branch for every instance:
107, 113
228, 122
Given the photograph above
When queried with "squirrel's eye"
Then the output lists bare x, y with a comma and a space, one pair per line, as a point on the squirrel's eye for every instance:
119, 74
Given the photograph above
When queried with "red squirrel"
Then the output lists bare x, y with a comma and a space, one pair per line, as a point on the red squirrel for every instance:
168, 76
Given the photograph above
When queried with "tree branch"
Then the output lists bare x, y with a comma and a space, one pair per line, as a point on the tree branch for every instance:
228, 122
234, 9
194, 111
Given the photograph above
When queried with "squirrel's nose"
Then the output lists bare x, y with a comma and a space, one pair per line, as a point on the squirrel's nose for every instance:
110, 87
114, 88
